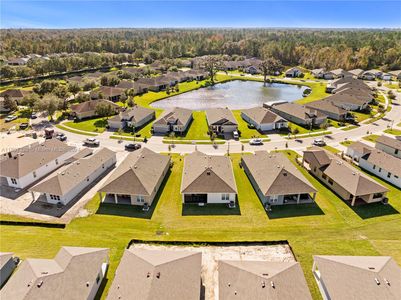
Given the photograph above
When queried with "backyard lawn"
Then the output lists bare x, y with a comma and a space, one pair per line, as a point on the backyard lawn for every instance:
246, 133
91, 125
328, 227
393, 131
371, 138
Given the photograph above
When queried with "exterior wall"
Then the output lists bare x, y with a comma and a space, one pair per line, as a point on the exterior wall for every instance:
6, 271
380, 173
115, 124
388, 150
214, 198
262, 127
84, 115
98, 281
44, 170
355, 155
65, 199
229, 128
351, 106
142, 122
159, 128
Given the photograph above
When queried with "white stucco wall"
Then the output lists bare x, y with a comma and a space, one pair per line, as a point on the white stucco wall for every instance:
216, 198
382, 174
388, 150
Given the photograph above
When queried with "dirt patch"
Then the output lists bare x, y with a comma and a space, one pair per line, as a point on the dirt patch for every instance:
212, 254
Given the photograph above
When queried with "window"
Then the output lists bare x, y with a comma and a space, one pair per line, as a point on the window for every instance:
324, 176
396, 176
314, 169
225, 197
374, 167
389, 175
87, 178
140, 199
331, 181
55, 197
102, 166
396, 151
34, 174
56, 161
13, 181
380, 169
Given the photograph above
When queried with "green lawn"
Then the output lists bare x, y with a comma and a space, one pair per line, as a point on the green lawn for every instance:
393, 131
246, 133
392, 86
371, 138
346, 143
329, 227
91, 125
361, 116
69, 129
331, 149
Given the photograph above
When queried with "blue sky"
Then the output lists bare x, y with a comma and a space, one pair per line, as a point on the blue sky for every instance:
90, 14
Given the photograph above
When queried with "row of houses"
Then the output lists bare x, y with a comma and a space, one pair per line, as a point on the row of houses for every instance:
356, 73
384, 161
78, 273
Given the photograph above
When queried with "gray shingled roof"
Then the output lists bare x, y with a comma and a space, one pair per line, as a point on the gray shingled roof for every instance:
157, 274
68, 178
275, 174
389, 141
30, 158
360, 147
385, 161
176, 115
261, 280
138, 174
326, 105
220, 116
68, 274
207, 174
262, 115
90, 105
134, 114
360, 277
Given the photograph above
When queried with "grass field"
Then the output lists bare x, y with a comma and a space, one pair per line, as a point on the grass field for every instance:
328, 227
393, 131
92, 125
371, 138
69, 129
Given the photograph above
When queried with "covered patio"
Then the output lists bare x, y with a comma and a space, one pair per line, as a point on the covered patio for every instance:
299, 198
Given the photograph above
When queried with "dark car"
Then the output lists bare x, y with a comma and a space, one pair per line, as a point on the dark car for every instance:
61, 137
34, 116
23, 126
132, 147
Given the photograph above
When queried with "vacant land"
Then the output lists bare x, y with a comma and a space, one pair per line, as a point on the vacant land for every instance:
328, 227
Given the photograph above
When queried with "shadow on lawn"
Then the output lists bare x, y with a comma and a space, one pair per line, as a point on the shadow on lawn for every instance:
210, 210
373, 210
132, 211
295, 210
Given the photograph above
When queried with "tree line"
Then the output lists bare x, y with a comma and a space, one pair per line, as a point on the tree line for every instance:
331, 49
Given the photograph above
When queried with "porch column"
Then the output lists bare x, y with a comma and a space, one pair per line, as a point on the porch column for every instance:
298, 198
100, 197
303, 161
115, 198
33, 196
314, 196
353, 200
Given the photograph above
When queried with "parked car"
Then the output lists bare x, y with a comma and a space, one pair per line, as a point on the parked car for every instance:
23, 126
91, 142
49, 132
255, 142
319, 142
132, 146
10, 118
235, 134
61, 137
34, 116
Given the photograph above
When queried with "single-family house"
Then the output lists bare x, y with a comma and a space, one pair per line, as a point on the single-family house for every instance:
126, 84
357, 149
208, 179
383, 165
19, 61
173, 120
356, 73
263, 119
8, 263
26, 165
253, 69
276, 180
389, 145
179, 76
386, 76
15, 94
329, 108
299, 114
348, 101
371, 74
347, 82
293, 72
3, 108
343, 179
357, 277
69, 182
137, 179
197, 74
154, 84
135, 117
396, 74
318, 73
261, 280
108, 92
87, 109
75, 273
221, 120
157, 274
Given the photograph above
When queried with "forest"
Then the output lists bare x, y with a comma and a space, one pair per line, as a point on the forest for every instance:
312, 48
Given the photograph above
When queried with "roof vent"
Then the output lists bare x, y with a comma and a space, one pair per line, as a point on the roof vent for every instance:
265, 274
87, 283
272, 284
40, 283
263, 284
44, 273
371, 268
208, 172
148, 275
158, 275
229, 284
387, 282
285, 173
22, 154
377, 281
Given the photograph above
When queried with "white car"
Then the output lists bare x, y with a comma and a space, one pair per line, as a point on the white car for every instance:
10, 118
319, 142
255, 142
91, 142
235, 134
